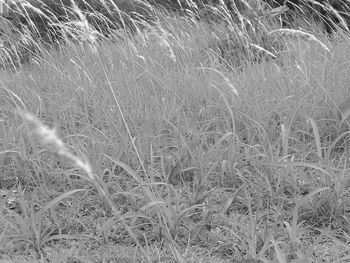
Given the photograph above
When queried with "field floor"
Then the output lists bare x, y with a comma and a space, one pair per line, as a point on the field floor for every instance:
162, 147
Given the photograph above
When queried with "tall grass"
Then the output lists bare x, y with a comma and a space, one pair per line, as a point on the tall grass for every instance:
158, 147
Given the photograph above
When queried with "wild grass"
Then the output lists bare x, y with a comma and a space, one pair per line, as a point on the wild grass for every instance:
157, 147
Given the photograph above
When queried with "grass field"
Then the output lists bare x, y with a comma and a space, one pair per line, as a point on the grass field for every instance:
177, 144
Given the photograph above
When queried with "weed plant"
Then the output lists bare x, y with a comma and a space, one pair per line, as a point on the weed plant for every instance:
185, 141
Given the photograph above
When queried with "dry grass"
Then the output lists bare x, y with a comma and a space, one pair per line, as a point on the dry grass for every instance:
158, 147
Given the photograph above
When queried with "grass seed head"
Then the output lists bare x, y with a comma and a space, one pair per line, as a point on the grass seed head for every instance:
49, 137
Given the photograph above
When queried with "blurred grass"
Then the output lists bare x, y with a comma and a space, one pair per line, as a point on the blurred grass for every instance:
209, 150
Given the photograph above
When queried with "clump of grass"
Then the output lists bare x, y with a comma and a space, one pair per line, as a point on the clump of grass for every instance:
188, 155
31, 27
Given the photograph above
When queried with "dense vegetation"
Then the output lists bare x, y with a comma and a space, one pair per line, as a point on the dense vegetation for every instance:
174, 131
